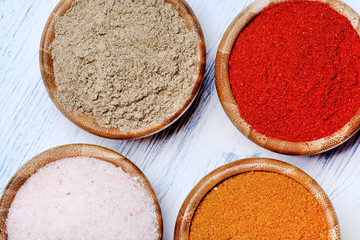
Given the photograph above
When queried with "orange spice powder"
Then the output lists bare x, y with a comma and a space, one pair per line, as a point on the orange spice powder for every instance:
259, 205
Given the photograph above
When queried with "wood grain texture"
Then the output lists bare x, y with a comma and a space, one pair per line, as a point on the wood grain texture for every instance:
89, 124
67, 151
230, 106
173, 160
197, 194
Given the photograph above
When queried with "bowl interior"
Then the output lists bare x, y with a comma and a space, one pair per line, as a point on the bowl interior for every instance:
230, 106
67, 151
87, 123
186, 213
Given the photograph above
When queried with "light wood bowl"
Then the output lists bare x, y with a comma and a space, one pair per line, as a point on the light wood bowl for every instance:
186, 213
228, 101
72, 150
88, 123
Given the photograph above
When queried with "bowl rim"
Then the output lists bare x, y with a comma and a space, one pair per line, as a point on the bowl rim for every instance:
87, 123
67, 151
229, 104
206, 184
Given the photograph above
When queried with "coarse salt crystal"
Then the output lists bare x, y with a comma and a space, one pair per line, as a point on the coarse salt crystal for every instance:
82, 198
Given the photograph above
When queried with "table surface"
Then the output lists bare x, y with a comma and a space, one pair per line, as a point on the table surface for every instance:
173, 160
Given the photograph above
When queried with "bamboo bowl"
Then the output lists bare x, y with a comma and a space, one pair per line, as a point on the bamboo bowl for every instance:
87, 123
66, 151
186, 213
230, 106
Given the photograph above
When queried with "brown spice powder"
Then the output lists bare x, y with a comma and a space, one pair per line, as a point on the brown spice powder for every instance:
123, 63
259, 205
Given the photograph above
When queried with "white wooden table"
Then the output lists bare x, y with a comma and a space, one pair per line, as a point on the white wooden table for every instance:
175, 159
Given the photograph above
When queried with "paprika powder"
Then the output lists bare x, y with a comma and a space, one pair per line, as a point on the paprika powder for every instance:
294, 71
259, 205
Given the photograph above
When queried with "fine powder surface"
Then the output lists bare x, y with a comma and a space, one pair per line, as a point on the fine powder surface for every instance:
294, 71
125, 64
82, 198
259, 205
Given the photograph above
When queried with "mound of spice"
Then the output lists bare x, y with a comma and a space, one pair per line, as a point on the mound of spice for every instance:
82, 198
294, 71
125, 64
259, 205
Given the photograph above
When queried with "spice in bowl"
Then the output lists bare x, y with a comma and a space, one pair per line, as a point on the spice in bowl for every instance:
294, 71
133, 66
257, 205
257, 198
82, 198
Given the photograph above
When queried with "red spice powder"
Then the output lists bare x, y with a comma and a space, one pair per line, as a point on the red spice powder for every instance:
294, 71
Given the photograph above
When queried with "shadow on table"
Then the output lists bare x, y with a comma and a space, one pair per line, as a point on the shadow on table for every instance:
342, 148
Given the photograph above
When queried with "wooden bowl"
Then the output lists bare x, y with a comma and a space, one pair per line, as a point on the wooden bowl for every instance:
87, 123
230, 106
66, 151
186, 213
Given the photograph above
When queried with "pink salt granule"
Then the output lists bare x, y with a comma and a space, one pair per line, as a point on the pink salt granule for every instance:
82, 198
